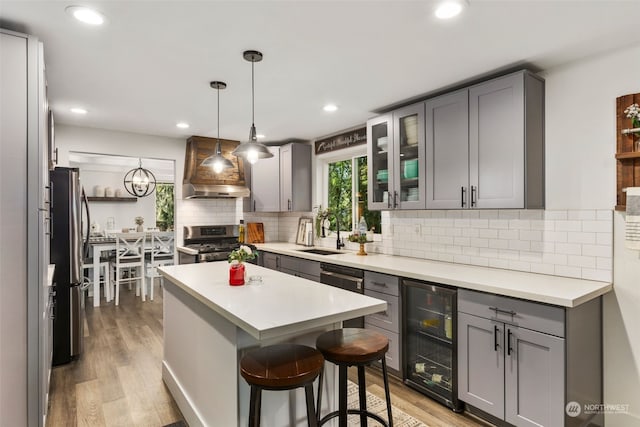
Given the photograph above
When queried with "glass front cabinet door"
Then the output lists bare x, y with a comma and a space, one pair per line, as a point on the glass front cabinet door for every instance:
396, 149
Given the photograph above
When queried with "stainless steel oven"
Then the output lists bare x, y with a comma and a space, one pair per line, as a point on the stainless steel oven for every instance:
347, 278
207, 243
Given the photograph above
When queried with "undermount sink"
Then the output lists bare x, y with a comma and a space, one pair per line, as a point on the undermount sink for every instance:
319, 251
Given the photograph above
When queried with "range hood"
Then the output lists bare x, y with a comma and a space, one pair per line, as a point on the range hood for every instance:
200, 182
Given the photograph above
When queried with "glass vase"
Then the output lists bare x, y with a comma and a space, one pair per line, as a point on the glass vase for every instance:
236, 274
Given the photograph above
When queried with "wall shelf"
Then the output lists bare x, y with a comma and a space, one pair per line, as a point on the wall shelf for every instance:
112, 199
627, 159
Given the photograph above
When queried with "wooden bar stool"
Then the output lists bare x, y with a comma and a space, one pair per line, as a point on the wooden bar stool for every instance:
354, 347
281, 367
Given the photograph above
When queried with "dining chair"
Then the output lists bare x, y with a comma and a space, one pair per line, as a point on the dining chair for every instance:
129, 257
160, 251
103, 266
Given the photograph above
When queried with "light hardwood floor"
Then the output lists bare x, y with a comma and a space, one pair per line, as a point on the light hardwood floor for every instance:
118, 380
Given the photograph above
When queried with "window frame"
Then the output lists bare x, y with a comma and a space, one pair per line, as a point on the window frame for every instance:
322, 165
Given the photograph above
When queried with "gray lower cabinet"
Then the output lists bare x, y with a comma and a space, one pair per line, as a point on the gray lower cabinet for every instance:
292, 265
387, 288
522, 362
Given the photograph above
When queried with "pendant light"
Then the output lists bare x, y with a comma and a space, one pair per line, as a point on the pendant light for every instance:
139, 182
218, 162
252, 150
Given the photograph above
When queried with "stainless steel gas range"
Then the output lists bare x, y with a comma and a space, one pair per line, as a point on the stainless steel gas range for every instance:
206, 243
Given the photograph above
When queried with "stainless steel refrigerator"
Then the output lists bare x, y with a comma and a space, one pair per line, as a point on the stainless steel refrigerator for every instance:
67, 253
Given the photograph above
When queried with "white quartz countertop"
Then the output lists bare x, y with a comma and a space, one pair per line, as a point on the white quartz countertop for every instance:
555, 290
281, 305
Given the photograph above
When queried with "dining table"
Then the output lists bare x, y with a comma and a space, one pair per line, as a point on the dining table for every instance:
98, 245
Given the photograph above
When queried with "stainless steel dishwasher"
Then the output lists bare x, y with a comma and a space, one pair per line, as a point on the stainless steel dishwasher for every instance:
347, 278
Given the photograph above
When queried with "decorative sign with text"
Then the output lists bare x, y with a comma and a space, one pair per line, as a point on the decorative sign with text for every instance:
344, 140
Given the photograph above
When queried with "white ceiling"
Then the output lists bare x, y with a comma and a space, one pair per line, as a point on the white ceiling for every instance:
151, 65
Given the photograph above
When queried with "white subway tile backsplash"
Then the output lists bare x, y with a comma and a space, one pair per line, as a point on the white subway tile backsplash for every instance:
605, 239
569, 248
542, 268
532, 214
597, 226
604, 215
519, 245
573, 243
555, 215
488, 214
533, 235
498, 263
508, 234
509, 214
581, 215
498, 244
581, 237
568, 226
479, 223
520, 224
568, 271
582, 261
487, 233
600, 275
499, 223
519, 265
597, 250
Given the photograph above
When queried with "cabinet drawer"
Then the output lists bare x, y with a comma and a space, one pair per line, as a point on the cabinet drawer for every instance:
388, 319
393, 355
382, 283
311, 268
289, 263
526, 314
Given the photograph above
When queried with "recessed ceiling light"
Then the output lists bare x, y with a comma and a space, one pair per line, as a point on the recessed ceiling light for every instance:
260, 136
447, 9
330, 108
78, 110
182, 125
86, 15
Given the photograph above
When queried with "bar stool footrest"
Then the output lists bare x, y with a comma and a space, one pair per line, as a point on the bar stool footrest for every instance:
334, 414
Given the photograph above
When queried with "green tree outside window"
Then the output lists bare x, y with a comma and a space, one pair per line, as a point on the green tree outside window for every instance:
164, 206
343, 203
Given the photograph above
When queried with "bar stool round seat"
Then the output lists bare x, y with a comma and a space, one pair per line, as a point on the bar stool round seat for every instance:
281, 367
354, 347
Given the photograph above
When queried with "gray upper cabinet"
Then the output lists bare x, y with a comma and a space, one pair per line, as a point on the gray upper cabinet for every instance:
447, 136
265, 183
506, 142
484, 148
396, 153
295, 177
282, 183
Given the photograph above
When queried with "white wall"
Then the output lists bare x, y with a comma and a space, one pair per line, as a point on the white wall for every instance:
580, 144
188, 212
123, 213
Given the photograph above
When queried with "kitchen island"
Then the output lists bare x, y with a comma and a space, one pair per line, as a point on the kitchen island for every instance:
209, 325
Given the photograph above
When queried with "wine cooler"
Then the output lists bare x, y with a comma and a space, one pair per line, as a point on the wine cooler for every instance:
430, 362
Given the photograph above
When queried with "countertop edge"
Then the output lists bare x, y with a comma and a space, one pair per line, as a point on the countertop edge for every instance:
593, 289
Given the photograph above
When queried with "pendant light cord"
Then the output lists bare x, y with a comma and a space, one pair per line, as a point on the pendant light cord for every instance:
253, 121
218, 89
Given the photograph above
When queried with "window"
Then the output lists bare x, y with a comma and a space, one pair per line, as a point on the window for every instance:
347, 194
164, 206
